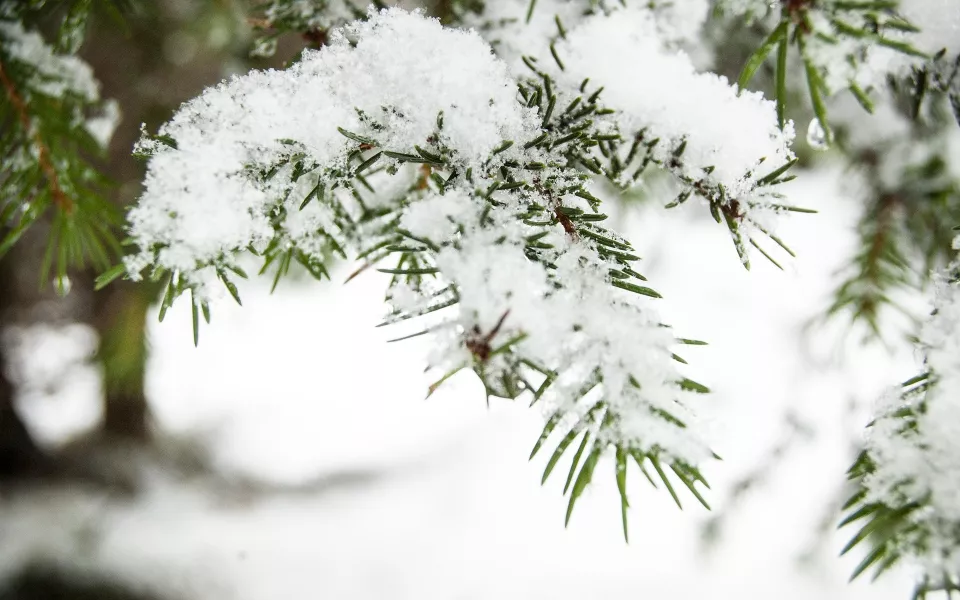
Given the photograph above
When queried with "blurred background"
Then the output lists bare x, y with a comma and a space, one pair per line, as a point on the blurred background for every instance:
292, 454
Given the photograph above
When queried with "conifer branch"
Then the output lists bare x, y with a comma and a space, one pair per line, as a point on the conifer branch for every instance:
43, 153
55, 122
474, 205
835, 41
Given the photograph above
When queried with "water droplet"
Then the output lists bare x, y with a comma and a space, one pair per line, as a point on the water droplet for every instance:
817, 136
62, 285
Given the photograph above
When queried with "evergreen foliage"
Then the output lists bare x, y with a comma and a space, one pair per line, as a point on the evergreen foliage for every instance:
54, 127
472, 166
905, 504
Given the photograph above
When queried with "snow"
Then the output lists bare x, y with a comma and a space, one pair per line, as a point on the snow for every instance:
310, 14
939, 23
459, 512
731, 132
473, 513
573, 322
59, 76
50, 365
204, 200
505, 25
752, 9
56, 75
843, 59
921, 465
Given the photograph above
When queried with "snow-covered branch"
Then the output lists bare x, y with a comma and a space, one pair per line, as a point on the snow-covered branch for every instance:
910, 467
406, 140
53, 120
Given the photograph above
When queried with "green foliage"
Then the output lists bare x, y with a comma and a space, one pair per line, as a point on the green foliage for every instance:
586, 428
882, 527
906, 230
891, 528
540, 180
865, 22
49, 153
940, 76
311, 20
50, 174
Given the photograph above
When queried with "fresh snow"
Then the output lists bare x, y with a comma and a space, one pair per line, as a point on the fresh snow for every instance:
459, 512
731, 132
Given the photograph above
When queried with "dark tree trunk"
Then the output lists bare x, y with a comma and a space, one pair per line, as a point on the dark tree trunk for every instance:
119, 317
19, 453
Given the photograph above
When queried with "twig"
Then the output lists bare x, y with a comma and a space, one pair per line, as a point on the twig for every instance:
59, 197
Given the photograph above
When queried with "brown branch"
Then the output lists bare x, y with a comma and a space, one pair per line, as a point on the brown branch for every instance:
46, 165
424, 178
479, 344
887, 203
565, 221
317, 38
